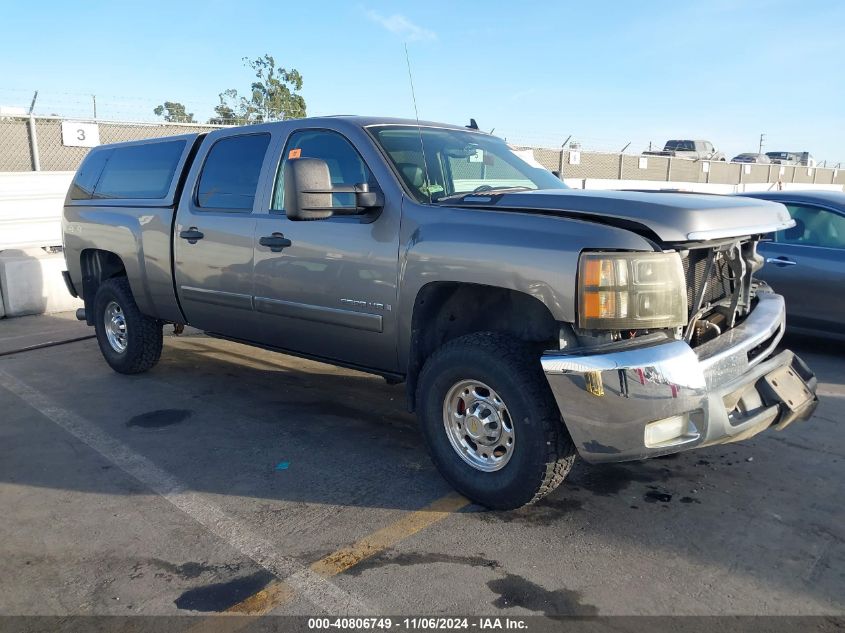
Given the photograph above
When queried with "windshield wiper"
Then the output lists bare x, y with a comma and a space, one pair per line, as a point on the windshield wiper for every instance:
486, 193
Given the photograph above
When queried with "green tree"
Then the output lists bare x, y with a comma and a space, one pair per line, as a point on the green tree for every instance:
225, 110
274, 96
174, 112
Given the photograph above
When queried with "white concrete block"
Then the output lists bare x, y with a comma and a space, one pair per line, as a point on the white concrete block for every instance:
31, 208
31, 283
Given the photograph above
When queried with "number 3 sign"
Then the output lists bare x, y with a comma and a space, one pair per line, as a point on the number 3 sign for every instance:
80, 134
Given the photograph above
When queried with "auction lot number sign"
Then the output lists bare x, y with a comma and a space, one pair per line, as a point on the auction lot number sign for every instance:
76, 134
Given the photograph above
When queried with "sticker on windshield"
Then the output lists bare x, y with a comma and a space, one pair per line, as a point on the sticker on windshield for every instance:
477, 157
294, 153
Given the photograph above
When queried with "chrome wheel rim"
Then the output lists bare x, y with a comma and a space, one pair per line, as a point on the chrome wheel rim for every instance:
478, 425
115, 322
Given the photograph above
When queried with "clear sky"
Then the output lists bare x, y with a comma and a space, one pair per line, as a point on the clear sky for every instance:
608, 73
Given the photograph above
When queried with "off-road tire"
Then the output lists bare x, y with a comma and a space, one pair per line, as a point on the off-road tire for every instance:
543, 453
143, 334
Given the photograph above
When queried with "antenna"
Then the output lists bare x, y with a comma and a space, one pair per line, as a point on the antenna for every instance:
419, 128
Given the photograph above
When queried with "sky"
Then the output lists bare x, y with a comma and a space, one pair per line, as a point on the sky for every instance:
606, 73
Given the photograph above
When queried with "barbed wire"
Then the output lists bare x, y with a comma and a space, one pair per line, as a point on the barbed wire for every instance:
128, 108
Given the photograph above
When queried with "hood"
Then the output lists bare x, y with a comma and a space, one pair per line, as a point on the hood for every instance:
672, 217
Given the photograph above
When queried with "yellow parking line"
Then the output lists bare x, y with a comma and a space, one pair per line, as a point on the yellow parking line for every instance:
386, 537
278, 593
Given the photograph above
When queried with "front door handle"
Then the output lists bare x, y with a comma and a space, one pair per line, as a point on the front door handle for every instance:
276, 242
780, 261
192, 235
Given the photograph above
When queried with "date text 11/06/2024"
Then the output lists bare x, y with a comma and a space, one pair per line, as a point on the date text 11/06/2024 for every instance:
432, 623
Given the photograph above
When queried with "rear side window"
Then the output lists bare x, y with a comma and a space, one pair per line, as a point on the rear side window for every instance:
229, 177
88, 174
139, 171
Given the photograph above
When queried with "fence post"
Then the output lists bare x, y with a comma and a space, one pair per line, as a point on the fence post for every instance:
621, 159
669, 169
33, 144
560, 165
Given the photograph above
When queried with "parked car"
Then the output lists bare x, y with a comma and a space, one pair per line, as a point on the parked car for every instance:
685, 148
751, 157
806, 263
792, 158
529, 322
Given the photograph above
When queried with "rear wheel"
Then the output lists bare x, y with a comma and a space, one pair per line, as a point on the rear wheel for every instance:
129, 341
491, 422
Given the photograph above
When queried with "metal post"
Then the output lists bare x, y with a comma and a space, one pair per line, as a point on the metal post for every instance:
621, 158
560, 165
669, 169
94, 99
33, 144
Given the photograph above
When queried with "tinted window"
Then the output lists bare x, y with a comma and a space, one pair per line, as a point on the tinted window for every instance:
140, 171
346, 167
88, 174
814, 227
680, 146
230, 174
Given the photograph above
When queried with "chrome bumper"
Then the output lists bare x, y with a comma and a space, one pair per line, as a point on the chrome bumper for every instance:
726, 390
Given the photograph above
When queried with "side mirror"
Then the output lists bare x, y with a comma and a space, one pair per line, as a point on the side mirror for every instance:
308, 192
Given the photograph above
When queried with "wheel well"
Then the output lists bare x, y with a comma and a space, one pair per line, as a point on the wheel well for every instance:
97, 266
445, 310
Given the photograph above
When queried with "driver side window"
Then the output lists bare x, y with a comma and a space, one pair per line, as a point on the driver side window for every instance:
814, 227
346, 167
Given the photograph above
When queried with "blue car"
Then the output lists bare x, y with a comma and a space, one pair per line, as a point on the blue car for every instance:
806, 264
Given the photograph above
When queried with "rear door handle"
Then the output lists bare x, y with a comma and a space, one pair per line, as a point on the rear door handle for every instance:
276, 242
780, 261
192, 235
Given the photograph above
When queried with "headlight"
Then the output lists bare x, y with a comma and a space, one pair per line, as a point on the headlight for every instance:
631, 291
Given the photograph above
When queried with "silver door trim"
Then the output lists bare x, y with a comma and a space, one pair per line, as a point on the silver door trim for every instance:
320, 314
217, 297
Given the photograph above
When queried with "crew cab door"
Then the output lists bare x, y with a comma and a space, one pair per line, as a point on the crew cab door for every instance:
213, 234
331, 291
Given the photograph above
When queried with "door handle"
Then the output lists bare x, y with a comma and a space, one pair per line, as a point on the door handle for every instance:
276, 242
780, 261
192, 235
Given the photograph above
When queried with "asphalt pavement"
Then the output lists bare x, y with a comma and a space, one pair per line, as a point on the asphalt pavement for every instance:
234, 479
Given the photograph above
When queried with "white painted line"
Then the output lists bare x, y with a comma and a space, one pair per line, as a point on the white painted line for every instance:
321, 592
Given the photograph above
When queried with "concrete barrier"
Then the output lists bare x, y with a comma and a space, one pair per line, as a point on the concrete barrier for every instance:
31, 282
699, 187
31, 208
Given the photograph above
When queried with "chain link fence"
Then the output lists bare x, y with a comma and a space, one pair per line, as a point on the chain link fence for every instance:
36, 144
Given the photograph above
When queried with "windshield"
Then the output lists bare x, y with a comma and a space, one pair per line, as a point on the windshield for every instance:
684, 146
457, 162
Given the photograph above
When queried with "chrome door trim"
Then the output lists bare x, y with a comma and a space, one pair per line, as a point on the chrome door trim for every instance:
320, 314
217, 297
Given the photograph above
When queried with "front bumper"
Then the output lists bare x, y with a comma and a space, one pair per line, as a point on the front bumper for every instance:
726, 390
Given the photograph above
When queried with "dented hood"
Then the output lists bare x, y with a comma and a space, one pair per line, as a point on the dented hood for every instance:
672, 217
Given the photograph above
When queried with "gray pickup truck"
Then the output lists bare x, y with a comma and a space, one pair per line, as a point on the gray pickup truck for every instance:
688, 148
529, 322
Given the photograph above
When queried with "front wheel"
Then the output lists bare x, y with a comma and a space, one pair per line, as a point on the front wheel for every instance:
130, 341
491, 423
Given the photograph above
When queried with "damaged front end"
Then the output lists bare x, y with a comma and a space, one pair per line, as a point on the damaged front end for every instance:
637, 393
